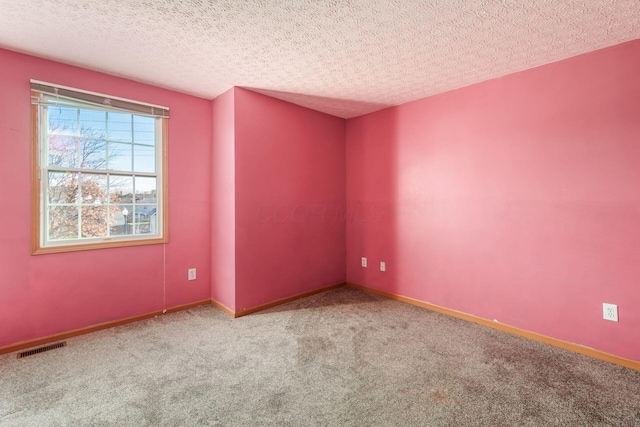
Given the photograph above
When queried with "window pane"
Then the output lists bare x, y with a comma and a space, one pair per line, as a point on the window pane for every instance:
120, 220
119, 127
63, 151
146, 190
63, 222
120, 189
63, 120
93, 154
63, 187
144, 130
93, 124
145, 220
94, 221
144, 158
99, 169
120, 156
94, 189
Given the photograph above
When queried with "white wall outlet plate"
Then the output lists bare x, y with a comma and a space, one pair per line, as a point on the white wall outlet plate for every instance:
364, 262
383, 266
192, 274
610, 312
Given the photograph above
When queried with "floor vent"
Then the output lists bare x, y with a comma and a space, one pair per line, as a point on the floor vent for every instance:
42, 349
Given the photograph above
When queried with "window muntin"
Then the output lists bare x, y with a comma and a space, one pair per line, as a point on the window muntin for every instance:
101, 175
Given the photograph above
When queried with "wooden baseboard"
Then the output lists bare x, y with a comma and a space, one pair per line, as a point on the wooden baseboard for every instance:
93, 328
577, 348
280, 301
223, 307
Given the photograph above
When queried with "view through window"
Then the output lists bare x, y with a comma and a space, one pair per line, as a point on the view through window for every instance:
100, 172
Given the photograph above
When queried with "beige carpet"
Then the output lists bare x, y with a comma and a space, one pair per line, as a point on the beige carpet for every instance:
343, 357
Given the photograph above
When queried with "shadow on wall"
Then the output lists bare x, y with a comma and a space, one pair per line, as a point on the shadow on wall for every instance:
289, 189
372, 201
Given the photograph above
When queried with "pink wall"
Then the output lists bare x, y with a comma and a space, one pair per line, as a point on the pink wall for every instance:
514, 199
290, 189
48, 294
223, 220
517, 199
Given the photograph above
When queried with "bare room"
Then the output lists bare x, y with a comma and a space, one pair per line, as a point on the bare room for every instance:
367, 212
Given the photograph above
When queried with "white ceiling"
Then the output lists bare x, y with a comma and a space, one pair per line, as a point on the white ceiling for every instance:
343, 57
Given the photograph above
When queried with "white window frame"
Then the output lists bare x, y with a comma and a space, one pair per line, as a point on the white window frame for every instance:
42, 94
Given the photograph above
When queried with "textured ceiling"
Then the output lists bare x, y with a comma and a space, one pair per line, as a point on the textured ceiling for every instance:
343, 57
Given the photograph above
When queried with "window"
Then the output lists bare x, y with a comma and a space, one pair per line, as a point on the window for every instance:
99, 171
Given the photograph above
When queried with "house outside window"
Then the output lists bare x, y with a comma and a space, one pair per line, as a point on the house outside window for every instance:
99, 171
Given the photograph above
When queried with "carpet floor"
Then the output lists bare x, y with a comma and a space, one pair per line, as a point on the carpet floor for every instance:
343, 357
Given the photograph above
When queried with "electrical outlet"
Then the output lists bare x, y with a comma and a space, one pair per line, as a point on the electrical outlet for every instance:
364, 262
192, 274
610, 312
383, 266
